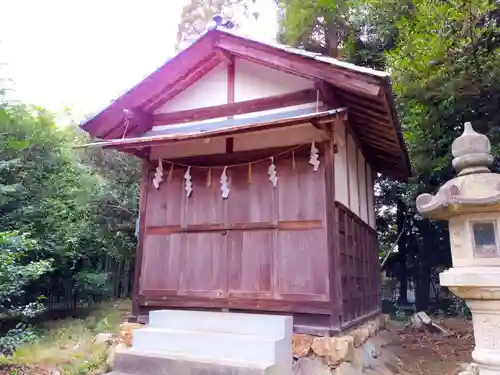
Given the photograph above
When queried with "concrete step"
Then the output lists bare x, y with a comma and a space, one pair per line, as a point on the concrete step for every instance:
138, 362
237, 323
237, 347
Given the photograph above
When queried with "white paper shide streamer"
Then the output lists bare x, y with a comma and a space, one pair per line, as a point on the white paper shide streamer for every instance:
158, 175
188, 186
273, 177
314, 157
223, 184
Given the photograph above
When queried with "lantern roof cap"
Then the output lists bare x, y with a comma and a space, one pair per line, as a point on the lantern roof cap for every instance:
475, 189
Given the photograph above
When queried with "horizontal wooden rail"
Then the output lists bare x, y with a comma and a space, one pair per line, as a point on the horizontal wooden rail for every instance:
219, 227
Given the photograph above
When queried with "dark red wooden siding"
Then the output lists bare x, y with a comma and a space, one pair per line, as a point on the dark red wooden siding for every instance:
360, 267
261, 244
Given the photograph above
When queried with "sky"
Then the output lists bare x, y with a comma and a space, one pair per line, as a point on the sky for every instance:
81, 54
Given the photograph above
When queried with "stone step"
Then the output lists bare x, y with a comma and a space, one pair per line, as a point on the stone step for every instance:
237, 347
138, 362
256, 324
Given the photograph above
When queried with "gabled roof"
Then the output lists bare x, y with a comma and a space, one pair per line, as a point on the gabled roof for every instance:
365, 92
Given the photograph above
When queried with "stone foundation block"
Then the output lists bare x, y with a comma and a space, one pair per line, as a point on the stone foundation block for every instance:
133, 362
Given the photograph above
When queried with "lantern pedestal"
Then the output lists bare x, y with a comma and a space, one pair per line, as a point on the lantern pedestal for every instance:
480, 287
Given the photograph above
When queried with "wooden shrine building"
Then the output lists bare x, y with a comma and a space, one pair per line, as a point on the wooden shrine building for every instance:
258, 180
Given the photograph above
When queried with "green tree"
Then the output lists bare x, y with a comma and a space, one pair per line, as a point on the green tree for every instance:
445, 66
197, 14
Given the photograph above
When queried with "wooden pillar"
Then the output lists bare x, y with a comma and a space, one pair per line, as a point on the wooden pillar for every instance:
140, 239
335, 280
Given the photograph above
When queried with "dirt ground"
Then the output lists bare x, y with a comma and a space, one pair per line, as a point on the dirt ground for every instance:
426, 353
422, 352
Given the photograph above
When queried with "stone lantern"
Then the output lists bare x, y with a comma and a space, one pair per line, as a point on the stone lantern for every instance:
471, 204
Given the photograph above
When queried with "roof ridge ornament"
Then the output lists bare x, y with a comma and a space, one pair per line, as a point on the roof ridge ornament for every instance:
219, 21
471, 152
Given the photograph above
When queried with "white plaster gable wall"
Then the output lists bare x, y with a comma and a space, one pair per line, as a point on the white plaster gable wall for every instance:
253, 81
371, 196
208, 91
341, 193
363, 204
352, 164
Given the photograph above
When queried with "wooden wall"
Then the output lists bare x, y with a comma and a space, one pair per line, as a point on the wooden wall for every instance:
262, 248
360, 267
354, 178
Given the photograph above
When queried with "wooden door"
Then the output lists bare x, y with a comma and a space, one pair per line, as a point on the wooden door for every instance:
301, 248
250, 217
162, 249
204, 266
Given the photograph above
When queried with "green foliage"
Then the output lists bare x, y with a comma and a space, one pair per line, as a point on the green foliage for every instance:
16, 337
197, 14
445, 64
67, 217
16, 273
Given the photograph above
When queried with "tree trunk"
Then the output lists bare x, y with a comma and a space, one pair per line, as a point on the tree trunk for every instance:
425, 267
402, 251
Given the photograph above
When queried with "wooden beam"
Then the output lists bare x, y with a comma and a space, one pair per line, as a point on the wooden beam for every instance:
184, 82
231, 76
324, 129
371, 134
230, 145
333, 240
224, 56
366, 108
155, 83
327, 93
231, 109
138, 123
301, 65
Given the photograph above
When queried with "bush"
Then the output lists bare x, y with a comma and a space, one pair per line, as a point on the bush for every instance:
16, 272
16, 337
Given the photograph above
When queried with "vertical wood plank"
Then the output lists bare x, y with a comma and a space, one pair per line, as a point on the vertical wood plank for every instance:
250, 202
164, 205
204, 268
301, 192
249, 265
301, 261
302, 265
205, 205
162, 259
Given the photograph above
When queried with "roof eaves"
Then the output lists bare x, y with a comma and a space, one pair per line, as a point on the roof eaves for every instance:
312, 55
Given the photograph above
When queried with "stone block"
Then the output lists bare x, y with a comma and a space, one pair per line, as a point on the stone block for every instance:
126, 330
224, 322
334, 349
301, 345
310, 366
360, 335
133, 362
346, 368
